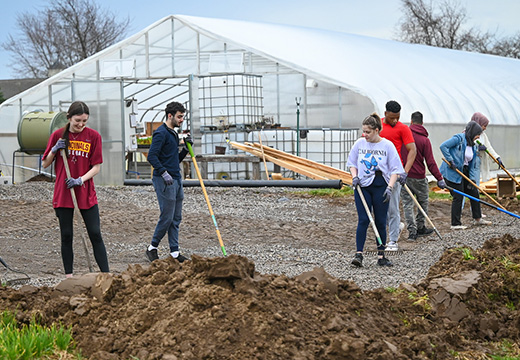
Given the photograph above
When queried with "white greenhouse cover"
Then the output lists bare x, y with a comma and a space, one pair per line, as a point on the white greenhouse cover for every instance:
447, 86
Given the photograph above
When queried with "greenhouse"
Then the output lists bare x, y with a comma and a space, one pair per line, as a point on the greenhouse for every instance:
304, 91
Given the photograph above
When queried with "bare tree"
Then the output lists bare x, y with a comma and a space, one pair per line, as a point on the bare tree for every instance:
64, 33
441, 24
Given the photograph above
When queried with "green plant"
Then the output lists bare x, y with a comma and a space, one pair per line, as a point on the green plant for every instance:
31, 341
391, 289
466, 253
511, 306
509, 264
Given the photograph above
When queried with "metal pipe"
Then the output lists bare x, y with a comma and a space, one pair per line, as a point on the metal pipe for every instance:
312, 184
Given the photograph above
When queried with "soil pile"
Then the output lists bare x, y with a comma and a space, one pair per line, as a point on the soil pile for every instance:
220, 308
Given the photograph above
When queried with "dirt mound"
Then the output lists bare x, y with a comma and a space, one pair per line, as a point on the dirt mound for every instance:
211, 308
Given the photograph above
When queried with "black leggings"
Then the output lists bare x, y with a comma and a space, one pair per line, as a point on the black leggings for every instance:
91, 219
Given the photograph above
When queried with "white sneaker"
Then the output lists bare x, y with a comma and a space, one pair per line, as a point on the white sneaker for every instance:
458, 227
482, 222
391, 246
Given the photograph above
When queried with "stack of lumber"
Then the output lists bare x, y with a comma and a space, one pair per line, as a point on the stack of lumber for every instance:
309, 168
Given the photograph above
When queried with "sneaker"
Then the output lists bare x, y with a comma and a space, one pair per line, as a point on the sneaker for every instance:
458, 227
358, 260
181, 258
152, 255
424, 231
482, 222
384, 262
391, 246
412, 236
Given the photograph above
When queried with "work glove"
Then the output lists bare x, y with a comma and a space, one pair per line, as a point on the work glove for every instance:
355, 182
168, 180
500, 163
482, 147
71, 182
388, 194
60, 144
402, 178
441, 183
188, 140
453, 166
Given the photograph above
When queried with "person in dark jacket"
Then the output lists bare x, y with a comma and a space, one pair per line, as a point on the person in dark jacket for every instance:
417, 181
165, 157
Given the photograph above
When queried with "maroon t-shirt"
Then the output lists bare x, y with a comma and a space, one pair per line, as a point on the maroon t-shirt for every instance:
85, 151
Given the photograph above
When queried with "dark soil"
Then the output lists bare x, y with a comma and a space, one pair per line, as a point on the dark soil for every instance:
220, 308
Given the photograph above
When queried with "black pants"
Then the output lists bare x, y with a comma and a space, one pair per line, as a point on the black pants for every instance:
456, 205
91, 219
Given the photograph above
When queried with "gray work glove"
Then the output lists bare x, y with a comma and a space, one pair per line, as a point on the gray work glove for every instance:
168, 180
71, 182
388, 194
500, 163
355, 182
441, 183
60, 144
482, 147
402, 178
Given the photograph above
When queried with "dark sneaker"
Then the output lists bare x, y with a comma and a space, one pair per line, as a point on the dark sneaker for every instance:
152, 255
181, 258
412, 236
424, 231
384, 262
358, 260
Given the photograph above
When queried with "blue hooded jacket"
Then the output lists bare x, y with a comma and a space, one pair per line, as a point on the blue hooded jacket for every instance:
453, 150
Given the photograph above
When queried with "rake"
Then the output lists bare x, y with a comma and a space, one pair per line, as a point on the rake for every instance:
374, 228
8, 278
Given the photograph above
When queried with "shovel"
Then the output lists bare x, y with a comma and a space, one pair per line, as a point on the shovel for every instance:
206, 197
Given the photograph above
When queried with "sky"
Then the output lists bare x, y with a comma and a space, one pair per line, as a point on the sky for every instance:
377, 18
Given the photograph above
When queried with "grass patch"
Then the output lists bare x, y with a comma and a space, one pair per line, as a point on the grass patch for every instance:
336, 193
32, 341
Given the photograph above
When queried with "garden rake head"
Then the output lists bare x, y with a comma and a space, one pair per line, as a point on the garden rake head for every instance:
13, 277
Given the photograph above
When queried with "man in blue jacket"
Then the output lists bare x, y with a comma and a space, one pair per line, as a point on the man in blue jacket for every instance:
165, 158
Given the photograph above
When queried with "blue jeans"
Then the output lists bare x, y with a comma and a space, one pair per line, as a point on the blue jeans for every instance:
170, 203
373, 195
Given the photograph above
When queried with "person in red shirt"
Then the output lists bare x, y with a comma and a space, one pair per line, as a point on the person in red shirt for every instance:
417, 181
84, 155
399, 134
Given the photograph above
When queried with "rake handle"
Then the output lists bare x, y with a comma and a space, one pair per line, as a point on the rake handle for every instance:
76, 208
190, 149
422, 210
475, 185
372, 222
500, 165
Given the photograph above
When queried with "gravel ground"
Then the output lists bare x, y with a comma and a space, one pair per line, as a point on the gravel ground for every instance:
282, 230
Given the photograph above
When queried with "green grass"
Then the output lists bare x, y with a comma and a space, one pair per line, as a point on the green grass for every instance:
344, 191
31, 341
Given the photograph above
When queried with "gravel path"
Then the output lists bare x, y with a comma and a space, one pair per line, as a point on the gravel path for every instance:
282, 230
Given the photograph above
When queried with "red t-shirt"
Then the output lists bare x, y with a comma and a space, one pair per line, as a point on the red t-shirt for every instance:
85, 151
399, 135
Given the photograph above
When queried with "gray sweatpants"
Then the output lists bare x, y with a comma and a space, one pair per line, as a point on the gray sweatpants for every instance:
418, 187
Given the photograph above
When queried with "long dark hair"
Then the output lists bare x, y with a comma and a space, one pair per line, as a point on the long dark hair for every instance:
76, 108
